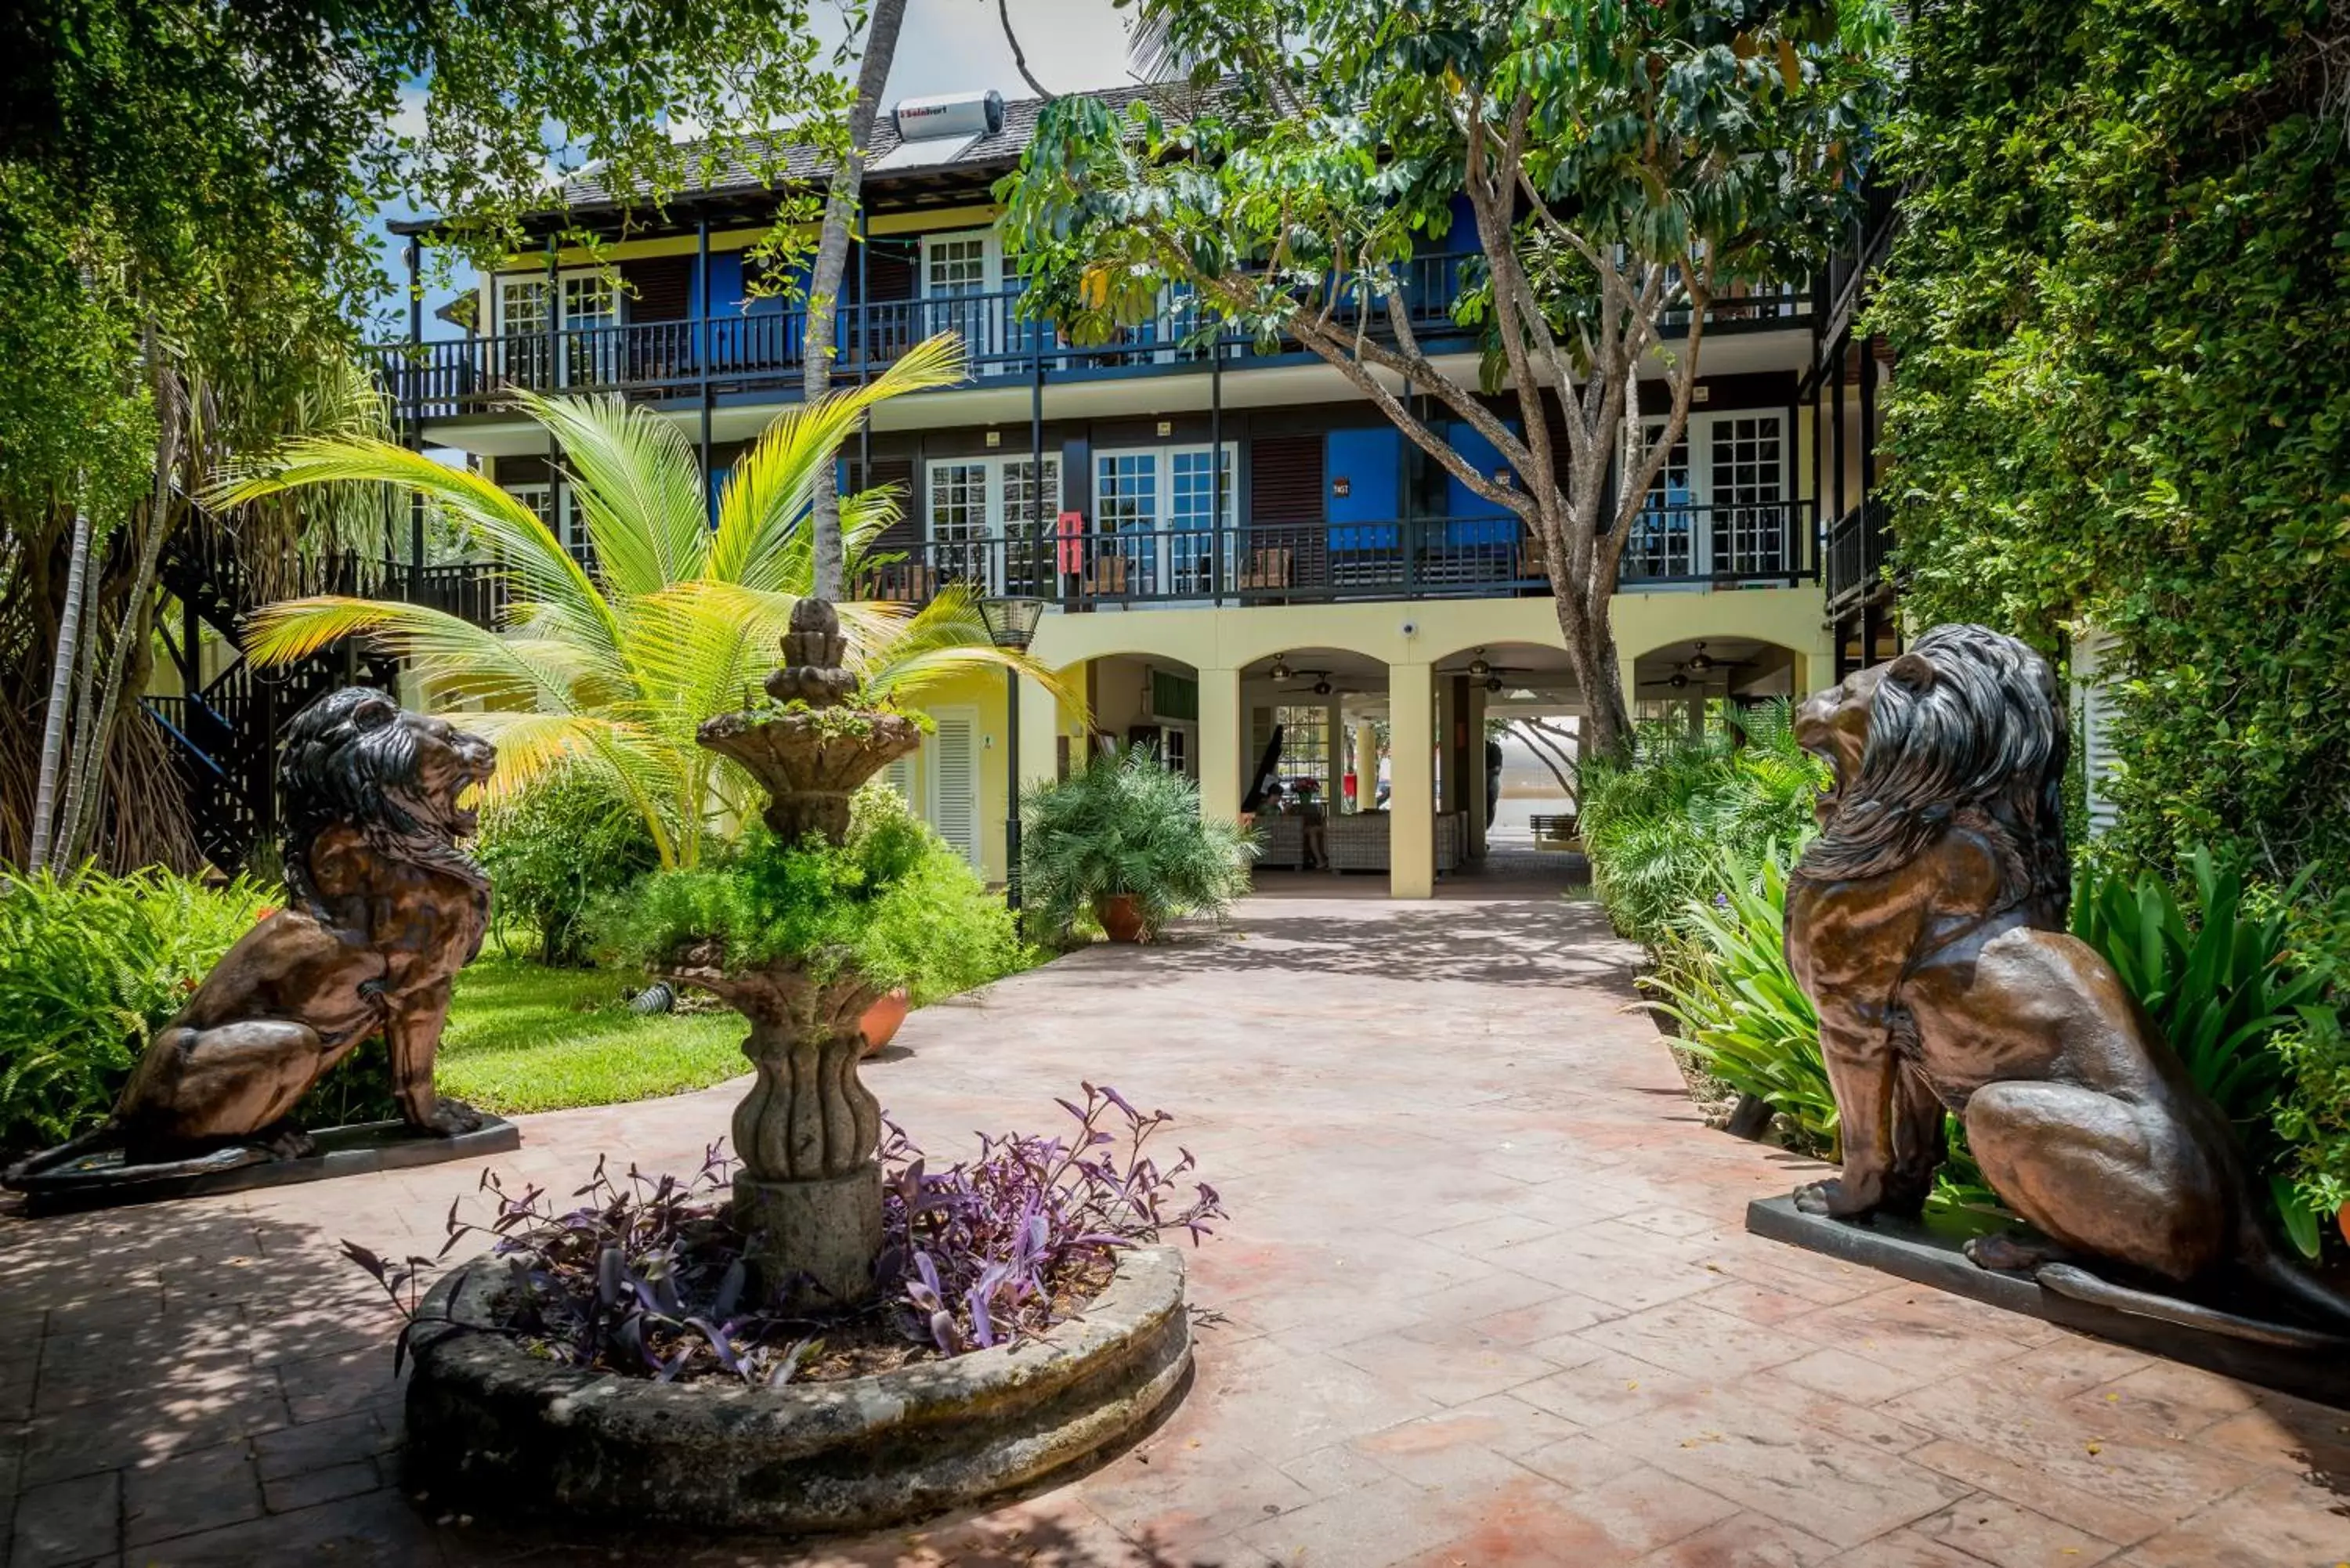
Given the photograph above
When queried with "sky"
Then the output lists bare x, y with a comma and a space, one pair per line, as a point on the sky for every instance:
946, 47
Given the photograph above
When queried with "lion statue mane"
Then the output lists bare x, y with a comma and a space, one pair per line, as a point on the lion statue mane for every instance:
383, 909
1927, 922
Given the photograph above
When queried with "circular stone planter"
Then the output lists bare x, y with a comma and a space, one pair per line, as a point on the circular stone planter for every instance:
490, 1423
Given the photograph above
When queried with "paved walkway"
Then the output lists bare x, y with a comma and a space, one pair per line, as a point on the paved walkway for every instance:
1485, 1301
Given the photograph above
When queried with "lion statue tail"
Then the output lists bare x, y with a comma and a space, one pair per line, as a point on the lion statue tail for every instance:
2326, 1315
106, 1134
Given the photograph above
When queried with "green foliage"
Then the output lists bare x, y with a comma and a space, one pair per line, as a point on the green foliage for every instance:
894, 901
552, 848
2222, 980
213, 170
90, 966
1123, 823
1727, 986
1658, 829
2314, 1118
2113, 302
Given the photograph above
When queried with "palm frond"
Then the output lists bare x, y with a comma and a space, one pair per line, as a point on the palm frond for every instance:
543, 569
448, 651
769, 494
637, 485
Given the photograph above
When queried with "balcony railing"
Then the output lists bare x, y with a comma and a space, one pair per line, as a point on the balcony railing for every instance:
767, 350
1307, 563
1859, 544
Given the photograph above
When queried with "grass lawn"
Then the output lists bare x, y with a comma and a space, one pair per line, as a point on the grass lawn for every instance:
523, 1037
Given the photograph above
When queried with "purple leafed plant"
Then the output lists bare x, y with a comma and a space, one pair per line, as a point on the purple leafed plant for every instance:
645, 1275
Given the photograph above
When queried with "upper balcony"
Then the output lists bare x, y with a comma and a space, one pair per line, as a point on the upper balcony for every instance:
761, 355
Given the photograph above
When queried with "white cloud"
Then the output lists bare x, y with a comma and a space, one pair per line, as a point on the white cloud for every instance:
957, 46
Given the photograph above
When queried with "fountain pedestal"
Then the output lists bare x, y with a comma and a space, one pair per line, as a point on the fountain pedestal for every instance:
808, 1195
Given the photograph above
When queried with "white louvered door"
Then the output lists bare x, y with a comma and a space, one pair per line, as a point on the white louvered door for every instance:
954, 780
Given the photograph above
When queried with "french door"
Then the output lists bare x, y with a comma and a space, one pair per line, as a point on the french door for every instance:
525, 348
990, 524
1718, 507
960, 276
1158, 534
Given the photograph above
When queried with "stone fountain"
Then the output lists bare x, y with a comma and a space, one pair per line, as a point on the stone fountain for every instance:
494, 1426
808, 1194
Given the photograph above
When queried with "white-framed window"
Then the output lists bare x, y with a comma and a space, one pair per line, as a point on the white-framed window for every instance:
987, 523
1156, 524
1720, 507
585, 300
962, 282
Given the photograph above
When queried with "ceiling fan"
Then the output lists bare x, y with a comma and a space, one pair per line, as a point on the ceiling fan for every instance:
1678, 680
1701, 662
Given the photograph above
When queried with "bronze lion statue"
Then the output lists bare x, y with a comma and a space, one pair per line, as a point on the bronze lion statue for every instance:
1927, 923
383, 910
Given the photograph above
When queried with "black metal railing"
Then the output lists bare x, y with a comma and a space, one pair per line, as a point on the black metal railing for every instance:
1859, 544
1304, 563
767, 350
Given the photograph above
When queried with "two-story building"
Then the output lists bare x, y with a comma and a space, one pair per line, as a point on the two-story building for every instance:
1229, 540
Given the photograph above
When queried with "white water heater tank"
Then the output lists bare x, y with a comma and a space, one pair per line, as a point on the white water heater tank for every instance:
966, 115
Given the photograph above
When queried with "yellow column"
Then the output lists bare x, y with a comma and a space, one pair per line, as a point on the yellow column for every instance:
1479, 783
1040, 731
1411, 768
1367, 764
1222, 746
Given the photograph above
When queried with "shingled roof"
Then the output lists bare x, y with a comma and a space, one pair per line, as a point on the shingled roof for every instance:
1001, 149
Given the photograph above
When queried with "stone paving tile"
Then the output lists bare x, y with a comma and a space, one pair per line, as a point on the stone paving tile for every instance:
2007, 1536
187, 1492
1815, 1477
1488, 1304
67, 1522
2276, 1523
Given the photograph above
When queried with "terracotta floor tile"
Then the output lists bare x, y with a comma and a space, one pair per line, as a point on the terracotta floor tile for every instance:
2008, 1536
1420, 1217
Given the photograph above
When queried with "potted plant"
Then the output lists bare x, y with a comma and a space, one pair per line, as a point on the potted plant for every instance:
1122, 841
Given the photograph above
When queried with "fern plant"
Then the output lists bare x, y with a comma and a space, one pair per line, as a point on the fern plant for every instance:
1123, 824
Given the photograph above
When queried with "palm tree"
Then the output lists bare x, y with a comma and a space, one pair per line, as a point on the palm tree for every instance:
616, 669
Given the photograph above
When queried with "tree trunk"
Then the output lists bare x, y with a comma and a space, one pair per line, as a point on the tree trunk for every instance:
831, 264
53, 726
87, 800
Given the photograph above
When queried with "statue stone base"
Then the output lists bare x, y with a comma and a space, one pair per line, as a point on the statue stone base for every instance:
103, 1179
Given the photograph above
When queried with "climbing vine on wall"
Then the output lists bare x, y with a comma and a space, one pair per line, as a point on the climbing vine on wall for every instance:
2121, 302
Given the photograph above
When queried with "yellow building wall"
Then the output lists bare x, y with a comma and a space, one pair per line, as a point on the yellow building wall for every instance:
1411, 638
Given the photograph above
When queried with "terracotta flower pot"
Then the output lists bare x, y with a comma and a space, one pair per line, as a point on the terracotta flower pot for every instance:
2342, 1218
879, 1025
1120, 916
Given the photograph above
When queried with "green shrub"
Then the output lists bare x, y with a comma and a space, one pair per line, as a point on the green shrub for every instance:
894, 900
90, 966
2221, 980
1125, 824
1656, 830
571, 837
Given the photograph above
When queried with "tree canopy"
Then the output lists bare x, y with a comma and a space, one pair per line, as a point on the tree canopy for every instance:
1612, 163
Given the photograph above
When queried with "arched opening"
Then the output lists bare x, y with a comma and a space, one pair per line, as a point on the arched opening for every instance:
1513, 715
1701, 681
1145, 699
